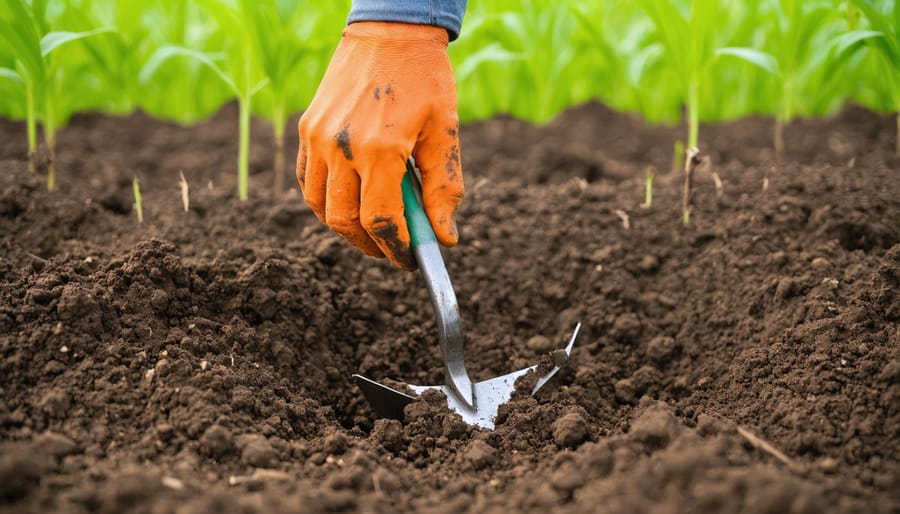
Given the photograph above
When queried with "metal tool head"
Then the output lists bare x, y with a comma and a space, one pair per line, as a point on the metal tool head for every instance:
488, 395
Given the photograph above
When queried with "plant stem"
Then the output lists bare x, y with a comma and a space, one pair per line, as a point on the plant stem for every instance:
898, 134
31, 125
278, 161
50, 140
243, 147
692, 150
138, 203
693, 113
690, 162
779, 140
783, 117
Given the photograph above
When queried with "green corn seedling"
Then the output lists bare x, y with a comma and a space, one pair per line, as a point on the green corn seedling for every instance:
284, 35
689, 43
883, 38
240, 71
24, 32
793, 24
138, 203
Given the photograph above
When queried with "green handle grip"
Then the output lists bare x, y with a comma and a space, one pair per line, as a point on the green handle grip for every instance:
420, 231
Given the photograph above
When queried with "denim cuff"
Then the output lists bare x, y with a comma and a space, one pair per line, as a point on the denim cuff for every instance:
441, 13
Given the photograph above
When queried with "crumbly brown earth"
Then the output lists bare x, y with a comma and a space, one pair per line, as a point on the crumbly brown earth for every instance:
201, 361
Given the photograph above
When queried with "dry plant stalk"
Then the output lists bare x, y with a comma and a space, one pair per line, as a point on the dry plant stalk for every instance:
649, 175
623, 217
185, 191
717, 180
763, 445
691, 161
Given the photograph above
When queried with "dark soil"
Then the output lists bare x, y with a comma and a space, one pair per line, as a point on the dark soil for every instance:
201, 362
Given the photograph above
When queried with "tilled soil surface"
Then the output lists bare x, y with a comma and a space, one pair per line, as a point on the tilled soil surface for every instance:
201, 361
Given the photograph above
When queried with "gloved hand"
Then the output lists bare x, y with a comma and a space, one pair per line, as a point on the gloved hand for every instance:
388, 93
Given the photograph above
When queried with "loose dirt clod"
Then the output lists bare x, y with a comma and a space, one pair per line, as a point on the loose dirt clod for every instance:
570, 430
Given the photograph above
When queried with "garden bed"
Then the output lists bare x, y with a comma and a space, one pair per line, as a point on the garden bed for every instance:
748, 362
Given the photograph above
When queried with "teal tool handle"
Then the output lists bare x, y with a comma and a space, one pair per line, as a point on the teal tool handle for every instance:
420, 231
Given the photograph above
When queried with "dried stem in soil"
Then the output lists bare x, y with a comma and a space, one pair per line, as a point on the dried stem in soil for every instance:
691, 160
185, 192
761, 444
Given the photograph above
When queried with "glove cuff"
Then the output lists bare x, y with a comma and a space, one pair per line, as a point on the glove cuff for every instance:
396, 31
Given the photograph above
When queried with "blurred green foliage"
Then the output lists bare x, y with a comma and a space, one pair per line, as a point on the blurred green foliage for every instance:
529, 58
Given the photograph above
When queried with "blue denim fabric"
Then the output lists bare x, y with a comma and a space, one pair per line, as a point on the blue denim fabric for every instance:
441, 13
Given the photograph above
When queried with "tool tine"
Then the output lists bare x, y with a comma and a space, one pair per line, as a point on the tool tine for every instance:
559, 361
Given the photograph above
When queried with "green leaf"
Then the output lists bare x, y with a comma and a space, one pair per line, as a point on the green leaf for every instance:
753, 56
54, 40
167, 52
674, 32
883, 23
493, 52
19, 31
851, 41
12, 75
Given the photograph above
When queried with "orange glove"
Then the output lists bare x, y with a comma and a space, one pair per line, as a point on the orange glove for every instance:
388, 93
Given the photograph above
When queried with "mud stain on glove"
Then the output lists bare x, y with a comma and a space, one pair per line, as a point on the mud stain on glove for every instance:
384, 229
343, 142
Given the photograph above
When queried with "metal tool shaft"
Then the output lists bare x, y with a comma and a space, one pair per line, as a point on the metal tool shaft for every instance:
428, 254
446, 310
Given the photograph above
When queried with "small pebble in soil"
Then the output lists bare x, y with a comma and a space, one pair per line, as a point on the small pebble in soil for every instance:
820, 263
570, 430
828, 465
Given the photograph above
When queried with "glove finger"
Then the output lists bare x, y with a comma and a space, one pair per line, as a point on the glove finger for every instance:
437, 156
381, 211
342, 209
314, 183
301, 165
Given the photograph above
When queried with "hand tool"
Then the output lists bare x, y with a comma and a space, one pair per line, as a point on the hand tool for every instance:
478, 402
